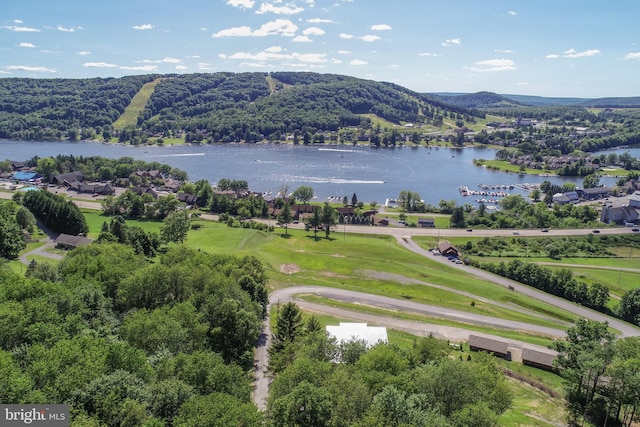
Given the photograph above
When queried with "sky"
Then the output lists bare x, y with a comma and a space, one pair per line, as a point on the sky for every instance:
560, 48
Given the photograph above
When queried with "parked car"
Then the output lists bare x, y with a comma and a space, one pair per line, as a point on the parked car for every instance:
596, 231
635, 229
516, 233
469, 229
545, 230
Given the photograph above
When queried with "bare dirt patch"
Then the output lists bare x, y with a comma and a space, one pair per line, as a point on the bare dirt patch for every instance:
289, 268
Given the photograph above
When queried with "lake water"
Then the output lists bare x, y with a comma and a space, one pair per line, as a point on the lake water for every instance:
337, 171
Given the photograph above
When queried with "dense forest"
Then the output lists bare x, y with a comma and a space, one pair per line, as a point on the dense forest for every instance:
43, 109
128, 342
214, 107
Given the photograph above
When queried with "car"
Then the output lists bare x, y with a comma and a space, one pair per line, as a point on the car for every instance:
596, 231
516, 233
458, 261
635, 229
469, 229
545, 230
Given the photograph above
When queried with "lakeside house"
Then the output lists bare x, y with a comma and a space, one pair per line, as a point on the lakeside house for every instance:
68, 241
447, 249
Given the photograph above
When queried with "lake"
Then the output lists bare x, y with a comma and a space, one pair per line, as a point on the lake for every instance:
374, 174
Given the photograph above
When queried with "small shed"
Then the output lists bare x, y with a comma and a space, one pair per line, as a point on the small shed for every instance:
540, 358
491, 345
427, 222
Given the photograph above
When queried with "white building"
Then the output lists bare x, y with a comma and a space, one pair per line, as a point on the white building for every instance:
346, 332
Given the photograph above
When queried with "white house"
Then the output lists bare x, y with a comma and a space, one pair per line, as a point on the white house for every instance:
346, 332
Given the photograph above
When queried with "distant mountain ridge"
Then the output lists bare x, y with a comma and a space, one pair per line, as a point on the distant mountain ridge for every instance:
493, 100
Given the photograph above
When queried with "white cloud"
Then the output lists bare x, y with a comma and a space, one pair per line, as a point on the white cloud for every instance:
241, 3
346, 36
369, 38
380, 27
428, 54
552, 56
344, 52
512, 13
279, 10
28, 68
336, 61
180, 67
21, 29
260, 56
274, 49
140, 68
282, 27
143, 27
502, 51
84, 53
313, 31
495, 65
632, 55
253, 64
67, 29
99, 65
358, 62
451, 42
23, 44
310, 57
171, 60
301, 39
17, 21
571, 53
204, 66
320, 21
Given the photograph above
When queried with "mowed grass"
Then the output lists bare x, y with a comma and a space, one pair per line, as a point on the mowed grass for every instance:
349, 262
138, 102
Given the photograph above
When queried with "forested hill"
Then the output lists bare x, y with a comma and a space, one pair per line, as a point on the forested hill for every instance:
480, 100
215, 107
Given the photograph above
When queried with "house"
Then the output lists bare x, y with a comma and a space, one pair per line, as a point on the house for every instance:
189, 199
347, 331
68, 241
427, 222
145, 190
382, 221
67, 178
619, 214
27, 176
492, 345
596, 193
634, 200
447, 249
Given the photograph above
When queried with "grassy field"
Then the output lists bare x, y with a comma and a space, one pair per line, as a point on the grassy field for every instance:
502, 165
139, 101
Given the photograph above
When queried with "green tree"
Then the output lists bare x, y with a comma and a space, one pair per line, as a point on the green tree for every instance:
629, 307
305, 405
591, 181
46, 167
314, 221
217, 410
303, 193
284, 218
583, 360
354, 200
288, 324
329, 218
11, 237
175, 227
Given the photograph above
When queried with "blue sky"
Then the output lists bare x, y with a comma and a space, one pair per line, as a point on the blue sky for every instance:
548, 48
